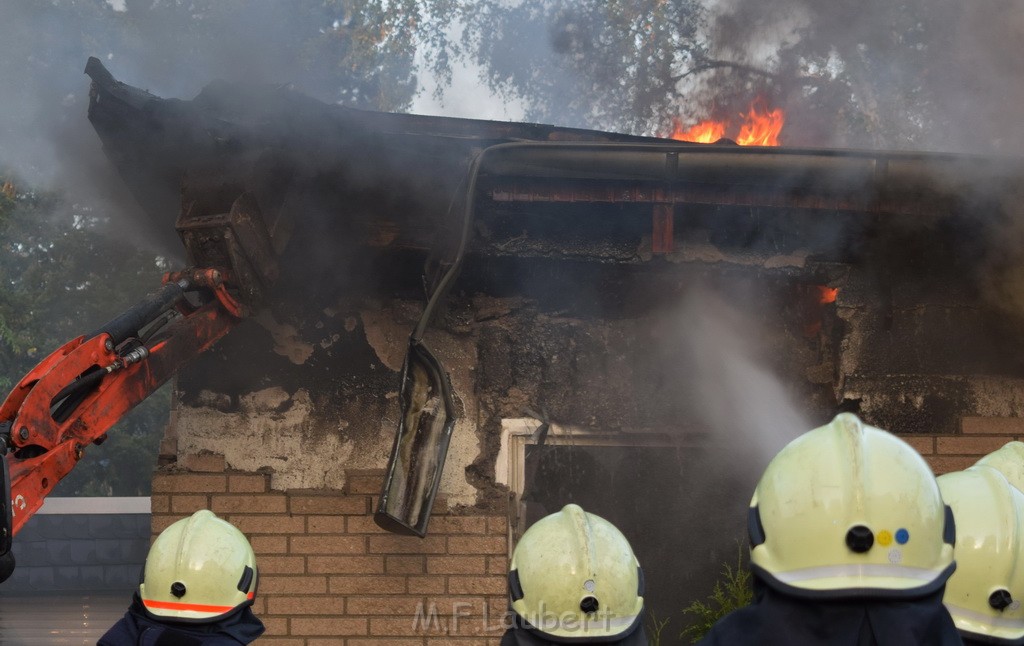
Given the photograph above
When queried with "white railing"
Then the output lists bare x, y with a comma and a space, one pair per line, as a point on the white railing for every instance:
96, 505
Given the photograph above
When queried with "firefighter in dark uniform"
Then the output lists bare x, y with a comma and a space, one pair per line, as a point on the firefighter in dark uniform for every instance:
574, 579
198, 587
851, 545
984, 594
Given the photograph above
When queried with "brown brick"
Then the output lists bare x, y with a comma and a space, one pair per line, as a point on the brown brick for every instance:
268, 524
392, 605
367, 584
269, 544
160, 522
326, 524
456, 564
368, 481
332, 504
346, 564
459, 525
329, 626
326, 641
274, 625
188, 504
393, 544
189, 483
203, 462
976, 445
316, 604
426, 585
423, 624
923, 444
461, 606
364, 525
497, 565
477, 545
247, 483
280, 564
159, 503
389, 641
444, 630
1007, 426
293, 585
945, 463
476, 585
405, 565
252, 504
497, 607
497, 525
440, 506
162, 483
282, 641
327, 544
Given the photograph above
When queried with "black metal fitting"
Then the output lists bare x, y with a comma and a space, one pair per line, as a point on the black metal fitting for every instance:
1000, 599
860, 539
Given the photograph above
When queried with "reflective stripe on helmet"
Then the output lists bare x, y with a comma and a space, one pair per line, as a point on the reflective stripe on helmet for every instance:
865, 570
550, 623
190, 607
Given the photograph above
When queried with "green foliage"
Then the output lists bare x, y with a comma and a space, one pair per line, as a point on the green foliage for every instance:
655, 626
611, 64
858, 73
731, 592
63, 274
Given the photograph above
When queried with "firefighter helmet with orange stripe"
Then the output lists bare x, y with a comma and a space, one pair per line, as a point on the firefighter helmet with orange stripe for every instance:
850, 511
199, 569
574, 576
984, 595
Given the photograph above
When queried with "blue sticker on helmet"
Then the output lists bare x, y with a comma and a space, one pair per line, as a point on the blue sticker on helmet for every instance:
902, 536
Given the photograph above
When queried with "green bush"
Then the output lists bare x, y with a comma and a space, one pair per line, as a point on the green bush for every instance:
732, 591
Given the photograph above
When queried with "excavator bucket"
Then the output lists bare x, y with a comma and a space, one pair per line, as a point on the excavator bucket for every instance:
236, 241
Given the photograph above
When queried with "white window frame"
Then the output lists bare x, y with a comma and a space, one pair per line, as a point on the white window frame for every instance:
518, 433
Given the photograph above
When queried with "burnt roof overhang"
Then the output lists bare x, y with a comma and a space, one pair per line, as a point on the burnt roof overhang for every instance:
398, 173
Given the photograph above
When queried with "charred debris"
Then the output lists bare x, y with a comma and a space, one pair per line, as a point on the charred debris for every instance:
865, 274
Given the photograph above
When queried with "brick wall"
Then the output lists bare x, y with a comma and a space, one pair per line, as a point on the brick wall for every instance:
330, 576
978, 437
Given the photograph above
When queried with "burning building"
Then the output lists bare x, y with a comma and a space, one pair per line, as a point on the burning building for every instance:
637, 325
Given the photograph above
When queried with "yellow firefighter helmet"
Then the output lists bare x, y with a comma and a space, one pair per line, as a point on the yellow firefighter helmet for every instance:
848, 510
1009, 461
199, 569
574, 576
984, 595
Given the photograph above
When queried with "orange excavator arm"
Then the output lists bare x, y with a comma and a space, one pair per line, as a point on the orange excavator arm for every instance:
74, 396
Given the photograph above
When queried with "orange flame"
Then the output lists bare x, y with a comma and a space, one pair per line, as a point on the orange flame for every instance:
705, 132
761, 127
827, 294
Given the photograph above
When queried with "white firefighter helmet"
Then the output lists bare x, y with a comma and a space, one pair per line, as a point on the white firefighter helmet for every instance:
199, 569
574, 576
1009, 461
848, 510
984, 594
